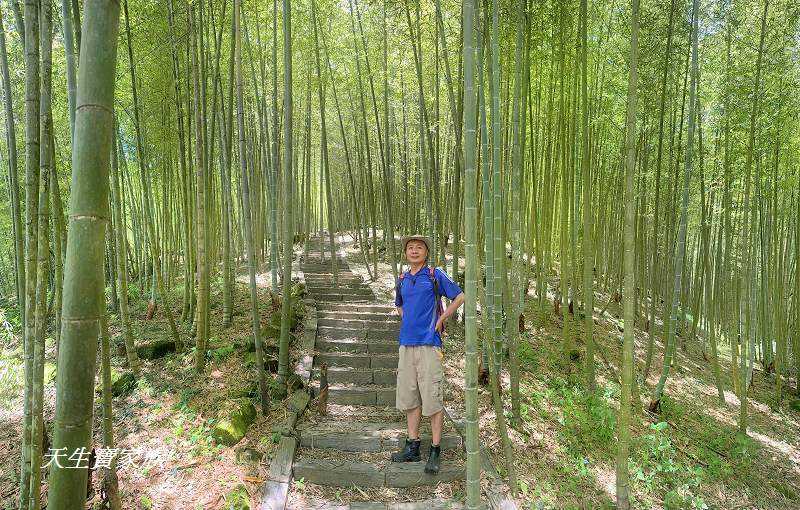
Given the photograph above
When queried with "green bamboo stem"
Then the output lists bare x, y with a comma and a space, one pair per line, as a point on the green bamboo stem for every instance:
83, 283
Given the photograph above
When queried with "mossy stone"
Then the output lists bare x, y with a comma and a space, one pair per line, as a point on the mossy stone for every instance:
237, 499
233, 420
156, 349
271, 331
122, 383
298, 290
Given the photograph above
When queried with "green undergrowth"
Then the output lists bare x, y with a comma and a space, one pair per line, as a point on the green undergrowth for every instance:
678, 460
199, 420
11, 355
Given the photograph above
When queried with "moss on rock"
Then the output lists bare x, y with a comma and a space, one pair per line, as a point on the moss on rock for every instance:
237, 499
122, 382
156, 349
233, 420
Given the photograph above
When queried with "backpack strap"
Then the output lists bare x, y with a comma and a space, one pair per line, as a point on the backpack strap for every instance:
436, 296
398, 294
435, 282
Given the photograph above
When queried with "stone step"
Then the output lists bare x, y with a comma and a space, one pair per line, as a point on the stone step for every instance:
371, 395
355, 315
370, 324
341, 473
365, 292
347, 375
360, 292
344, 287
327, 273
346, 359
356, 346
341, 333
344, 275
350, 414
344, 279
347, 282
350, 308
373, 438
327, 270
426, 504
339, 298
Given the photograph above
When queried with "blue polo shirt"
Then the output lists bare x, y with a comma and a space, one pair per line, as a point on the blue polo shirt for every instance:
417, 327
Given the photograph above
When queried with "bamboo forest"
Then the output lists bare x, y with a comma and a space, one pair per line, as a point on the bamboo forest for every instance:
214, 213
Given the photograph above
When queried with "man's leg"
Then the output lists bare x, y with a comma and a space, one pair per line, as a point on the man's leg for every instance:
412, 419
408, 400
436, 428
410, 451
432, 405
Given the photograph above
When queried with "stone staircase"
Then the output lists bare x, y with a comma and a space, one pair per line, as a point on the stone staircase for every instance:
350, 445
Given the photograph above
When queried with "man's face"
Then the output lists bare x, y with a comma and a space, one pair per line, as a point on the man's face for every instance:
416, 251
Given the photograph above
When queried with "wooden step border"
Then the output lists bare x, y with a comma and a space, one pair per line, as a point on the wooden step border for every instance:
308, 341
275, 490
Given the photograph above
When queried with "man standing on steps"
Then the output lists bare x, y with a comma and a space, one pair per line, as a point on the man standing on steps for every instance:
419, 369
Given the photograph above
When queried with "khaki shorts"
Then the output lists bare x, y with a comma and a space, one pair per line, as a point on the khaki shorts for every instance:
420, 379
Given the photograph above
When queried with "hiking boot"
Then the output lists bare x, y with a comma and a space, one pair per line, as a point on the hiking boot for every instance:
432, 467
409, 453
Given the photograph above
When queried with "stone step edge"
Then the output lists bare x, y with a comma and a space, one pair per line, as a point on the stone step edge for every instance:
425, 504
358, 441
366, 388
364, 474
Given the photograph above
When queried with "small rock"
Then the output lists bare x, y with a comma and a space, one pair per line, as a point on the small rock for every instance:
246, 455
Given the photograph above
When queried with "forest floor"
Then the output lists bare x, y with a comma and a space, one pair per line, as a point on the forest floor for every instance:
165, 419
689, 456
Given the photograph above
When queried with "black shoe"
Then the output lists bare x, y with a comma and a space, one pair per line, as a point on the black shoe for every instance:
409, 453
432, 467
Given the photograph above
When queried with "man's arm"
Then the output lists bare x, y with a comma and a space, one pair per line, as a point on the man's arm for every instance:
450, 310
399, 311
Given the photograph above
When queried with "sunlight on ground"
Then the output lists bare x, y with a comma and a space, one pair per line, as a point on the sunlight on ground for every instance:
606, 478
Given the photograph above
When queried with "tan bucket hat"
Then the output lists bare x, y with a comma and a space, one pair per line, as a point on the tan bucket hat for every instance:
416, 237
